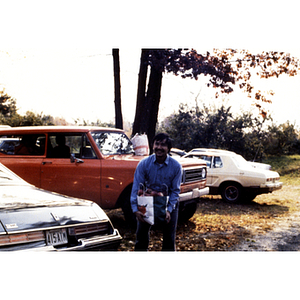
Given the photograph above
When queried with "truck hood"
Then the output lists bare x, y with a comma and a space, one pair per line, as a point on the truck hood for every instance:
191, 162
185, 162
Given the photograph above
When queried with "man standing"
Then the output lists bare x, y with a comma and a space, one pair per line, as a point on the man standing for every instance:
154, 171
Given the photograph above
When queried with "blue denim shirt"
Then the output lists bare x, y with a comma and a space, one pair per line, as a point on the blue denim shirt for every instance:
154, 176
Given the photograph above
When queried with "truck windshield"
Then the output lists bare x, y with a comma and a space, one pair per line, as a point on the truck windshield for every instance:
110, 143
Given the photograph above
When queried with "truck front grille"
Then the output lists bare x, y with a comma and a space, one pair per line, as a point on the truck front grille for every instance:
193, 174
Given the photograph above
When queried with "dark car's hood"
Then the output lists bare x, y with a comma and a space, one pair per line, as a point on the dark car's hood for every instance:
26, 207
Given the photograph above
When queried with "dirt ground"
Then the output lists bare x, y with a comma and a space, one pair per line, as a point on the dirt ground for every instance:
284, 234
270, 223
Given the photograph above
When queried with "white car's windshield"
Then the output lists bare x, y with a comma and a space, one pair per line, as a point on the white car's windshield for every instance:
110, 143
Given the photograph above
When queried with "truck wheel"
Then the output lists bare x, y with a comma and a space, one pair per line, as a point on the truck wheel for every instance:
186, 211
249, 197
127, 211
231, 192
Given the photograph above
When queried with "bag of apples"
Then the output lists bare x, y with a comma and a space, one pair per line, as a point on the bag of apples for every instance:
153, 205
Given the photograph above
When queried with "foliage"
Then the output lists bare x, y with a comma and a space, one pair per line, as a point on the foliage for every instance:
7, 105
216, 225
218, 128
9, 115
225, 68
282, 139
98, 123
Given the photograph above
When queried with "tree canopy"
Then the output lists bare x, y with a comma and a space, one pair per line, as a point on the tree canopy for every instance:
226, 69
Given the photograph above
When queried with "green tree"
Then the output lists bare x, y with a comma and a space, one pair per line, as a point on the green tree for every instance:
282, 140
7, 105
9, 115
214, 128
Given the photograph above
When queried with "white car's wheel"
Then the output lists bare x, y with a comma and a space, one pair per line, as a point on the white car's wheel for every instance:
231, 192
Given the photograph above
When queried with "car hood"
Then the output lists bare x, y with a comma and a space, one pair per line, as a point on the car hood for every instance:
127, 157
28, 208
191, 162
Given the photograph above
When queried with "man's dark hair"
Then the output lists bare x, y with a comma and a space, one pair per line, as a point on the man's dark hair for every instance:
163, 136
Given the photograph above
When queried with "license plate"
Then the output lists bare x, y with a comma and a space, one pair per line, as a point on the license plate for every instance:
56, 237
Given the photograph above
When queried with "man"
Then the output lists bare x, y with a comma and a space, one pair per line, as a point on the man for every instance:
153, 172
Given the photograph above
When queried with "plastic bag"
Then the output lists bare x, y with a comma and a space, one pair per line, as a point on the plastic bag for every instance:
140, 144
153, 207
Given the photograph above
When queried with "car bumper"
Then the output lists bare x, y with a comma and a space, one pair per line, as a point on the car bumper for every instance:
268, 188
106, 242
274, 186
110, 242
195, 193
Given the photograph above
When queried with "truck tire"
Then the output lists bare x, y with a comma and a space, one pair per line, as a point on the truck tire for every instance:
248, 197
186, 211
126, 208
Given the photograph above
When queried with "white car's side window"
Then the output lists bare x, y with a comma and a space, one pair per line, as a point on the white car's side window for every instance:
207, 160
217, 162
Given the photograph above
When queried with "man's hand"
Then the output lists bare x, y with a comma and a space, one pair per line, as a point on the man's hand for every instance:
139, 215
168, 216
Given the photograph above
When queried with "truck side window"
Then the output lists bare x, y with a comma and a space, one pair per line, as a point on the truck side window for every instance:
62, 145
27, 144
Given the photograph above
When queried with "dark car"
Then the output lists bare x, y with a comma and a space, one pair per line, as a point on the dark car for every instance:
7, 145
34, 219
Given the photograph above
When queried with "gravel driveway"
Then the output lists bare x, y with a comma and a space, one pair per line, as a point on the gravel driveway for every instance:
285, 236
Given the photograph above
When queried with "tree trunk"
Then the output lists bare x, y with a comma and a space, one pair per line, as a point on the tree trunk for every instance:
117, 81
147, 105
152, 102
139, 124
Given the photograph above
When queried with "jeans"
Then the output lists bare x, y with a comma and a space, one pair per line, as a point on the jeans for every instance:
169, 234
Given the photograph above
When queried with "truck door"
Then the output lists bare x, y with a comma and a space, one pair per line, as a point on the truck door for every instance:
71, 167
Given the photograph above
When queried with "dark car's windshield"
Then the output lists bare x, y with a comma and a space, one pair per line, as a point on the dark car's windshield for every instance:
110, 143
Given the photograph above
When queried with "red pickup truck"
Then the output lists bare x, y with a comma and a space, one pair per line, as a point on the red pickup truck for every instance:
92, 163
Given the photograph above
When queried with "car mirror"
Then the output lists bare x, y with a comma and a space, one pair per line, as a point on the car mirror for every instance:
73, 159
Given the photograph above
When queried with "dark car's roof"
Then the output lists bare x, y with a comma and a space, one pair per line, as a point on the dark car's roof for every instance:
43, 129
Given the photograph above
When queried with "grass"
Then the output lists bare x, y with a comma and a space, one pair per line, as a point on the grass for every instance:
288, 167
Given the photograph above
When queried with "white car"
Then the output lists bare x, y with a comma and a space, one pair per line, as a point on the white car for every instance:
232, 177
252, 163
176, 153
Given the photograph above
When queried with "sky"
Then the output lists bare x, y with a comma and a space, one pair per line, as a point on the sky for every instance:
78, 84
56, 59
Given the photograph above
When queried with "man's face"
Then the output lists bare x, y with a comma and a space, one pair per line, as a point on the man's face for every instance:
160, 148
